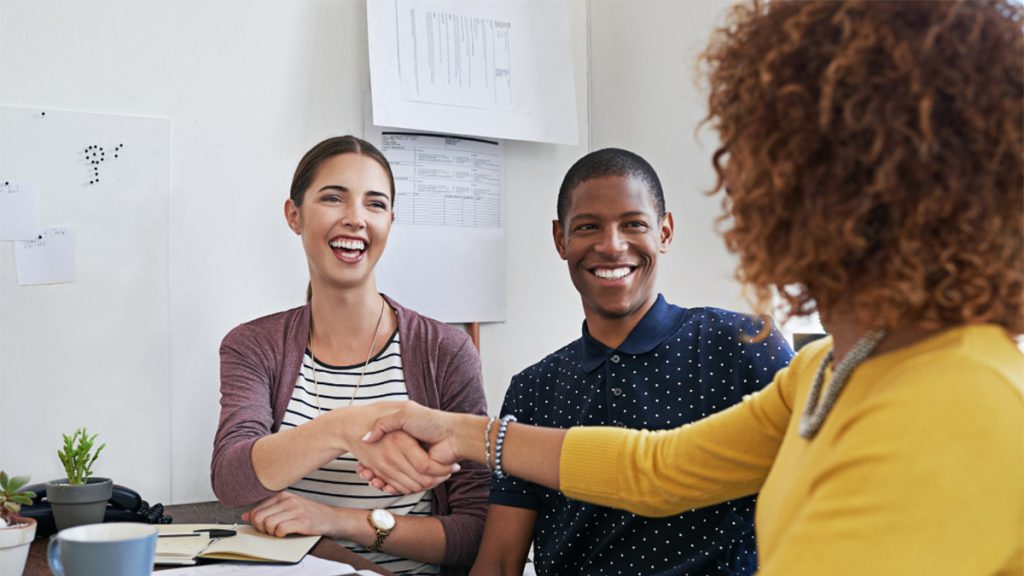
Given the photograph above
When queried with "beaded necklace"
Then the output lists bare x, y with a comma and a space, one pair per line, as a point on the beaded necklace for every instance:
815, 412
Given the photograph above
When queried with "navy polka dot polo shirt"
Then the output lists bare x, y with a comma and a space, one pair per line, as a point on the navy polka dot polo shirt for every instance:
677, 366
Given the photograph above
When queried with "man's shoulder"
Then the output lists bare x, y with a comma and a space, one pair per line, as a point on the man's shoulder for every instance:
725, 317
763, 349
566, 356
700, 322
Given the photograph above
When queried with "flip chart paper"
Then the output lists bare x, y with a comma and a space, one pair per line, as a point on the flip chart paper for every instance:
490, 68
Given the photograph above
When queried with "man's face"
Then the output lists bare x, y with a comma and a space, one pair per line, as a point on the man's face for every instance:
611, 238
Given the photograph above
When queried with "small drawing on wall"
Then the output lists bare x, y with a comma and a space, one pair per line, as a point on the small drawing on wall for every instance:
95, 155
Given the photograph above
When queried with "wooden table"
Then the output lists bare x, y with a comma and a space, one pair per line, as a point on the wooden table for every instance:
212, 513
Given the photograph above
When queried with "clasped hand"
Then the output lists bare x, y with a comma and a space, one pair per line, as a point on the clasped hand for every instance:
402, 465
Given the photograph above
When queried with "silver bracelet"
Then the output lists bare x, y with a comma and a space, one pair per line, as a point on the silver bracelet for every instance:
502, 430
487, 442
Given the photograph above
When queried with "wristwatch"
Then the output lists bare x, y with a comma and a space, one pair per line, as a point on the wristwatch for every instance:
383, 522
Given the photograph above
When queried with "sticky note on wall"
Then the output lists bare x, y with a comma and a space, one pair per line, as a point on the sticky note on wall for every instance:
19, 212
47, 260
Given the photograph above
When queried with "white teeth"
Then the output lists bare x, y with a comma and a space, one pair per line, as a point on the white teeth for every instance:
611, 273
348, 244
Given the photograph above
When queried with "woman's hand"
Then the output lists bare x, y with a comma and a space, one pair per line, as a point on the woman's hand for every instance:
399, 458
286, 513
432, 427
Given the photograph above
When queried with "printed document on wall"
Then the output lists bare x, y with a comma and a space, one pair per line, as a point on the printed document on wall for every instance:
446, 253
492, 68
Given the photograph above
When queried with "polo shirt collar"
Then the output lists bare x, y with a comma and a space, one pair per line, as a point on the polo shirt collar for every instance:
660, 322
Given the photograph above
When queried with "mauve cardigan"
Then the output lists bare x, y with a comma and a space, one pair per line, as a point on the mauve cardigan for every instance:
260, 362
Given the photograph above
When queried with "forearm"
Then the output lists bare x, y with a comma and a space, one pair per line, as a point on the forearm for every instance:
722, 457
415, 537
506, 542
528, 452
498, 562
490, 565
283, 458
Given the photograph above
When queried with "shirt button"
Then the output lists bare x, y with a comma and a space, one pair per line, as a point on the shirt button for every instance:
615, 358
616, 391
619, 424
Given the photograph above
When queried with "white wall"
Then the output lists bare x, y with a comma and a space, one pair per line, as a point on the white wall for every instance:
249, 86
644, 98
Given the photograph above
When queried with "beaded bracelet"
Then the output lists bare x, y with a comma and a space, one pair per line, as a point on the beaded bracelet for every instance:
502, 430
487, 443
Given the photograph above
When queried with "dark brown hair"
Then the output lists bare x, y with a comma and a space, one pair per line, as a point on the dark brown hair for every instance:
872, 153
305, 172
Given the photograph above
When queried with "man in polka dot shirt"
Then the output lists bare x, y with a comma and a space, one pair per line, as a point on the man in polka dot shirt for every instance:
640, 363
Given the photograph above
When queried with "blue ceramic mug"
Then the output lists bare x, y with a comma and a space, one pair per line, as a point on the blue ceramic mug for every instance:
114, 549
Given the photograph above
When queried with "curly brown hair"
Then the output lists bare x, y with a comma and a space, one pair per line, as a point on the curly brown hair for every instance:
871, 153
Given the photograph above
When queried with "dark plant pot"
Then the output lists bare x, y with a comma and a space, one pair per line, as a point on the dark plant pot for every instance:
76, 505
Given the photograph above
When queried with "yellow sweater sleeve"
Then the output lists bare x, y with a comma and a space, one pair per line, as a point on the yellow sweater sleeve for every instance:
724, 456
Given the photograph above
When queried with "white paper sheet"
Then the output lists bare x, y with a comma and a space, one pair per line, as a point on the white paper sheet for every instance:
446, 254
445, 181
457, 56
491, 68
47, 260
19, 212
310, 566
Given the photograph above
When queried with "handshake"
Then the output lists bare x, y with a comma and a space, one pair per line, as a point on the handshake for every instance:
411, 448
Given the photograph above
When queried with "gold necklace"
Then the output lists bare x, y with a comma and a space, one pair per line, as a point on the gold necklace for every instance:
369, 353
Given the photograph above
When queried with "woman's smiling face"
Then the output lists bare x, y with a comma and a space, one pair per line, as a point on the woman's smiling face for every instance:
344, 220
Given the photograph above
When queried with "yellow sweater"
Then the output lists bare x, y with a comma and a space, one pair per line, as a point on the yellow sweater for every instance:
918, 469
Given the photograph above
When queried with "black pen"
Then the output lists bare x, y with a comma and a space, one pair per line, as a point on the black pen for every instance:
210, 533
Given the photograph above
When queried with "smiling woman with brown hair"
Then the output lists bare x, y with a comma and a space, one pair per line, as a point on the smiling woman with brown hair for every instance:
298, 388
873, 156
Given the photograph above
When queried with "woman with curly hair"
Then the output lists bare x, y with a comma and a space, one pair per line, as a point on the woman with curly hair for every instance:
871, 155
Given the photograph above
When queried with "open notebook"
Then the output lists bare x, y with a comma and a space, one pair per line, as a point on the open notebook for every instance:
247, 545
310, 566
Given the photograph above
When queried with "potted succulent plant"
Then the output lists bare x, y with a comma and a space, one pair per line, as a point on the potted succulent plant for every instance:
16, 533
79, 498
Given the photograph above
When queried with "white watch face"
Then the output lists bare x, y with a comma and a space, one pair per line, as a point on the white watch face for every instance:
382, 519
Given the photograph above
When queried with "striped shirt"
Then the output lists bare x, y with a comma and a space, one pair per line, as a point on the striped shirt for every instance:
336, 483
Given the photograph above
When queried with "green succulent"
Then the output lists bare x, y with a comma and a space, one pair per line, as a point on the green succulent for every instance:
78, 456
12, 497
